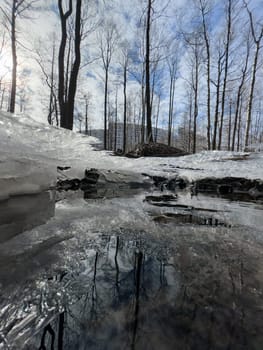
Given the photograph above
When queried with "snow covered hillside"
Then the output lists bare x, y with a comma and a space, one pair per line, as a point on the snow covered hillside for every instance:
31, 152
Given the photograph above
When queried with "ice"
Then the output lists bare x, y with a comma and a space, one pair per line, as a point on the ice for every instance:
69, 241
31, 152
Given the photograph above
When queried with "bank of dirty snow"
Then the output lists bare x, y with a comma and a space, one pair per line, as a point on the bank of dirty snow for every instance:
31, 151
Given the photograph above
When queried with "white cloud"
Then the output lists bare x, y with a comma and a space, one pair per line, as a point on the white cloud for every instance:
37, 31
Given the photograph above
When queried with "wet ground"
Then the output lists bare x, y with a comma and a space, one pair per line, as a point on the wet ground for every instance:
154, 270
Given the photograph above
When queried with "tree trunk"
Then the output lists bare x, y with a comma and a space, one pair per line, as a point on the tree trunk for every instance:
116, 120
229, 25
105, 107
190, 120
75, 69
51, 95
208, 67
157, 119
229, 125
217, 101
125, 107
251, 94
147, 75
2, 98
86, 116
239, 124
14, 58
196, 77
68, 68
143, 115
239, 93
195, 118
171, 104
257, 41
61, 65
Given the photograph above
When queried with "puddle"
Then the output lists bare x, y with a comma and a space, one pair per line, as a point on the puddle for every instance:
134, 270
139, 292
188, 219
104, 184
231, 188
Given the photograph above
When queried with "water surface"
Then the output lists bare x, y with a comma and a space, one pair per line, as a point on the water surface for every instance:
188, 273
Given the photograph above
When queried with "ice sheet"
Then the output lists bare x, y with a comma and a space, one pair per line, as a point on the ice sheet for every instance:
31, 151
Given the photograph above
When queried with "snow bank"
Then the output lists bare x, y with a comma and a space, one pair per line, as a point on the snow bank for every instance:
217, 164
31, 151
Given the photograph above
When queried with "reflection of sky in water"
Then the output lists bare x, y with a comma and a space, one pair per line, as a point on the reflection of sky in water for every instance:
181, 285
143, 292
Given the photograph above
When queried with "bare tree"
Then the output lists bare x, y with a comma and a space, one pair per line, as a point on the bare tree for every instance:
172, 63
48, 69
204, 9
157, 117
124, 64
226, 67
257, 41
195, 45
229, 125
217, 84
138, 72
239, 94
87, 99
17, 9
147, 72
197, 62
64, 16
3, 82
67, 100
107, 42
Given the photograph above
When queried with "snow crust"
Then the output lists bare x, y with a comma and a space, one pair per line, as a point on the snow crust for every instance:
31, 151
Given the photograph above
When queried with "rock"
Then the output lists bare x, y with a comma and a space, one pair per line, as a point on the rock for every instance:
119, 152
68, 185
62, 168
155, 150
170, 184
92, 176
230, 186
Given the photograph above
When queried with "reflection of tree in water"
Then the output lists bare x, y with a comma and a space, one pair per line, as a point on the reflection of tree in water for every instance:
47, 329
113, 285
129, 295
137, 285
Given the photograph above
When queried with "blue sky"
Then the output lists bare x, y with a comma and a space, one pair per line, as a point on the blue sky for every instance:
126, 15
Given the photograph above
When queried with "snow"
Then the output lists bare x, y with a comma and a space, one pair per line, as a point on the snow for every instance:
31, 152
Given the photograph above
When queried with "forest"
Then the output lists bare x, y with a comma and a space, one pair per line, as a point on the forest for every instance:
192, 69
131, 182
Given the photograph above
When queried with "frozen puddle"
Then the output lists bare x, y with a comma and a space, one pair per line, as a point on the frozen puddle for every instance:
158, 270
22, 212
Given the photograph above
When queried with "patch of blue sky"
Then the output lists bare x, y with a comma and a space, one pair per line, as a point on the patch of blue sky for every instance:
217, 15
90, 75
127, 16
54, 8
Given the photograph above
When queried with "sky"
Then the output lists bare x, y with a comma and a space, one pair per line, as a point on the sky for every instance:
42, 24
